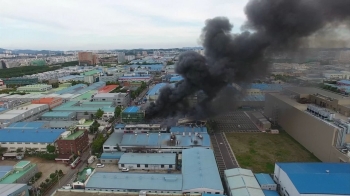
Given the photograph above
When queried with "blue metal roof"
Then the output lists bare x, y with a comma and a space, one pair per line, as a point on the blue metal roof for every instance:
67, 77
71, 90
344, 82
188, 129
176, 79
270, 193
148, 158
132, 109
26, 125
313, 178
154, 67
135, 181
111, 155
199, 170
154, 139
264, 179
114, 139
118, 126
267, 87
156, 88
4, 170
30, 135
57, 114
3, 109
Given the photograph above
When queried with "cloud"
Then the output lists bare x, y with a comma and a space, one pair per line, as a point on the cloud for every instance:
109, 24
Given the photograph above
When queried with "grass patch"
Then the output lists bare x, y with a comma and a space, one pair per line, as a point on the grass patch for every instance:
260, 151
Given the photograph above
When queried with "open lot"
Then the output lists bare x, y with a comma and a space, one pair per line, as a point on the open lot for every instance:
260, 151
44, 166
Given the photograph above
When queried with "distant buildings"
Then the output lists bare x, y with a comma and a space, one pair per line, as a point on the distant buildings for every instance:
88, 58
121, 57
35, 88
20, 81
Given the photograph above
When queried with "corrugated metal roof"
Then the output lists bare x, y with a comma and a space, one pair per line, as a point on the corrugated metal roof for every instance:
111, 155
135, 181
148, 158
313, 178
114, 139
264, 179
10, 189
132, 109
26, 125
30, 135
188, 129
57, 114
270, 193
199, 170
4, 170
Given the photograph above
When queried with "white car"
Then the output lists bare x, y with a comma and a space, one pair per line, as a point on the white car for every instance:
68, 186
125, 169
100, 165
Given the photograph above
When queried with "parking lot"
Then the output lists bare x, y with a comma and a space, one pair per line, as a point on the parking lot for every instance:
44, 166
224, 156
236, 121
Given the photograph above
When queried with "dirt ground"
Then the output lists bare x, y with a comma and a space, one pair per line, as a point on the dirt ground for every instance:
44, 166
260, 151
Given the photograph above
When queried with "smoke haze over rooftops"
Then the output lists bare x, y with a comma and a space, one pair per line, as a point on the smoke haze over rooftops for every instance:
273, 25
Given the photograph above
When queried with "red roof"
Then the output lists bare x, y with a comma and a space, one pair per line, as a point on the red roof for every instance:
107, 89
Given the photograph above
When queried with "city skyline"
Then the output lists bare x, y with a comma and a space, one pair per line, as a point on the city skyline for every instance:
96, 25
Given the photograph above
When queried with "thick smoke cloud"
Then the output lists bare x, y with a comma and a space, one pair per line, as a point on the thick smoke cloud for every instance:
273, 25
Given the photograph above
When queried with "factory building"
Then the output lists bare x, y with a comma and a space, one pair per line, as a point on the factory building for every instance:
241, 182
58, 116
266, 182
148, 161
107, 88
139, 128
303, 179
119, 99
50, 101
291, 109
22, 98
22, 113
111, 157
199, 175
14, 189
20, 81
132, 114
72, 89
260, 121
20, 173
111, 145
163, 142
35, 88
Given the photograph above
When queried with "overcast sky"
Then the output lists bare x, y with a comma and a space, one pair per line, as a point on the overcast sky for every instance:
110, 24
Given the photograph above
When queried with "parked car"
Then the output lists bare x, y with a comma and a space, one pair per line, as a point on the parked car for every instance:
100, 165
68, 186
125, 169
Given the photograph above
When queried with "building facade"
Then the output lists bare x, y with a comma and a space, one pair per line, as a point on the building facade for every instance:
50, 101
73, 142
88, 58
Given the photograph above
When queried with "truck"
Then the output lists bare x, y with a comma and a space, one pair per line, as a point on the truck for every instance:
91, 159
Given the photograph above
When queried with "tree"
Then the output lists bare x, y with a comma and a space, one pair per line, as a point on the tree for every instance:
117, 111
99, 113
50, 148
53, 175
47, 180
97, 144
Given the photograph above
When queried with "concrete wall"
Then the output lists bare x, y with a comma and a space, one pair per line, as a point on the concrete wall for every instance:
12, 146
30, 173
314, 134
286, 185
109, 160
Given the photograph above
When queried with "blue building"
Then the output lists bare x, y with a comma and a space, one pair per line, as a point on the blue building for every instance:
313, 178
148, 161
266, 182
132, 114
110, 157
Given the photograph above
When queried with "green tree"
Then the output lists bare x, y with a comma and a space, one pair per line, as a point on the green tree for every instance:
99, 113
97, 144
117, 111
50, 148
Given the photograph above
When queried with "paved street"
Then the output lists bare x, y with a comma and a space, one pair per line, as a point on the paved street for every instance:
68, 177
223, 153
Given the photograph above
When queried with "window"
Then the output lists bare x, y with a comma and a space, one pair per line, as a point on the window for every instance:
162, 166
11, 143
170, 166
146, 165
105, 147
19, 142
138, 165
122, 165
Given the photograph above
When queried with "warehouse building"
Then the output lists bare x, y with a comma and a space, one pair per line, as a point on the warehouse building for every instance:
22, 113
50, 101
260, 121
72, 89
200, 173
14, 189
139, 128
20, 81
107, 88
65, 79
31, 138
132, 114
58, 116
119, 99
112, 143
111, 157
21, 173
323, 179
266, 182
148, 161
22, 98
300, 121
241, 182
163, 142
35, 88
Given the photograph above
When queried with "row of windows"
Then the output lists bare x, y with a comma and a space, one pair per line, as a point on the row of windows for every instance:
146, 165
24, 143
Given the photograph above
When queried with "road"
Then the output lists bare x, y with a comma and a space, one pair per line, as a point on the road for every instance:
223, 153
68, 177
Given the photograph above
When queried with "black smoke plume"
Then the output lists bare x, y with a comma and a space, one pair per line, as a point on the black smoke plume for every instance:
273, 25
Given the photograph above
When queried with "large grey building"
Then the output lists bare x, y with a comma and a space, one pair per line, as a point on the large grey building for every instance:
14, 189
119, 99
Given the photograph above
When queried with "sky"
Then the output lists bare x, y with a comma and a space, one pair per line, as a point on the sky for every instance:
110, 24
